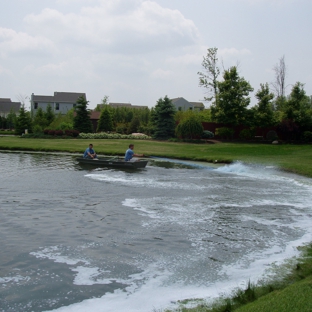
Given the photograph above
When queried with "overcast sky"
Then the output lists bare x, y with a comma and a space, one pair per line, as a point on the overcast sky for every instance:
137, 51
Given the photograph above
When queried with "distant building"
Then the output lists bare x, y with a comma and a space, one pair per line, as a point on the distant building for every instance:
182, 104
118, 105
60, 102
6, 106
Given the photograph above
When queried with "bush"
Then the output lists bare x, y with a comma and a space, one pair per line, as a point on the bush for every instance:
272, 135
207, 134
59, 132
37, 129
307, 136
247, 134
51, 132
225, 133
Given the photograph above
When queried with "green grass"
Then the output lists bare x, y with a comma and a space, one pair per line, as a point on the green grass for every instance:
294, 158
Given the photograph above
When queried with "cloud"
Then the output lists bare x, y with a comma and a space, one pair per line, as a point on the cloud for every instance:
162, 74
119, 26
21, 42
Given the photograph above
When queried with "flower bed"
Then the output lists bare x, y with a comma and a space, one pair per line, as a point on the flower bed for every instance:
104, 135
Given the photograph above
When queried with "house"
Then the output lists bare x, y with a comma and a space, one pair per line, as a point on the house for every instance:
60, 102
182, 104
118, 105
6, 106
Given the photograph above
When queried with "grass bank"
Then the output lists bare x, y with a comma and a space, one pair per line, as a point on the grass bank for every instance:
294, 158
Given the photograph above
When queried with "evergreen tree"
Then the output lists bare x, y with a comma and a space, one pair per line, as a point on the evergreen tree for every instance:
106, 121
23, 121
82, 121
298, 107
49, 114
232, 100
134, 124
263, 111
40, 119
11, 119
163, 119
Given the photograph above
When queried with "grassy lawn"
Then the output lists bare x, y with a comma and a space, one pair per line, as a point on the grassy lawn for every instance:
295, 158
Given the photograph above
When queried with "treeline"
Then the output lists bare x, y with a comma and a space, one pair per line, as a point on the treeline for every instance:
229, 96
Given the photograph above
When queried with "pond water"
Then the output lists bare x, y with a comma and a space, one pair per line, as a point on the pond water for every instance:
81, 239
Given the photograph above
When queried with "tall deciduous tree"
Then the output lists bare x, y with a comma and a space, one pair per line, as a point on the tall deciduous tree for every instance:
232, 100
163, 119
279, 84
208, 79
82, 121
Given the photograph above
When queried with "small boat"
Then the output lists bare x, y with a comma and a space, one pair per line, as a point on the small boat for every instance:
115, 162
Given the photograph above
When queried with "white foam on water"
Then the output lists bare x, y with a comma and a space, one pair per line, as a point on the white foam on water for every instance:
154, 288
54, 253
149, 290
146, 182
13, 279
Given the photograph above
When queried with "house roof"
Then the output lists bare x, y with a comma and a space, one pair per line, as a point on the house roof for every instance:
6, 105
197, 104
64, 97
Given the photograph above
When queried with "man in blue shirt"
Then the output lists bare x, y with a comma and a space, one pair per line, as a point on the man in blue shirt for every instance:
90, 152
130, 153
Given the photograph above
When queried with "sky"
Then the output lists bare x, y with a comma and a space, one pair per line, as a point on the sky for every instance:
138, 51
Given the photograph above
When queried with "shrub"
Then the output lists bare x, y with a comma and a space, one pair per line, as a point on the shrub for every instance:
37, 129
247, 134
59, 132
271, 135
207, 134
307, 136
46, 131
225, 133
51, 132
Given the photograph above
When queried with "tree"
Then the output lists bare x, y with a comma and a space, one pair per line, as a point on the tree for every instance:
298, 107
208, 79
49, 114
40, 120
263, 111
104, 102
232, 100
23, 121
134, 124
82, 121
11, 119
106, 121
190, 127
280, 77
163, 119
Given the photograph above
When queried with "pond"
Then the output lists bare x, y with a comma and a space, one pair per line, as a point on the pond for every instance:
81, 239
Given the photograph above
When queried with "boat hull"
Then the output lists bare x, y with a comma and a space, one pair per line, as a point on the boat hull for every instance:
116, 163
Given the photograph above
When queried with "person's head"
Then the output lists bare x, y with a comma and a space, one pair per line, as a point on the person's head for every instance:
131, 146
91, 145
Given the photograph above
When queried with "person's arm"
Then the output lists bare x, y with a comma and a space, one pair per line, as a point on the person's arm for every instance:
138, 155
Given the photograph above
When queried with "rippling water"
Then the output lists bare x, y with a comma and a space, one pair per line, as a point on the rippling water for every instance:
81, 239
